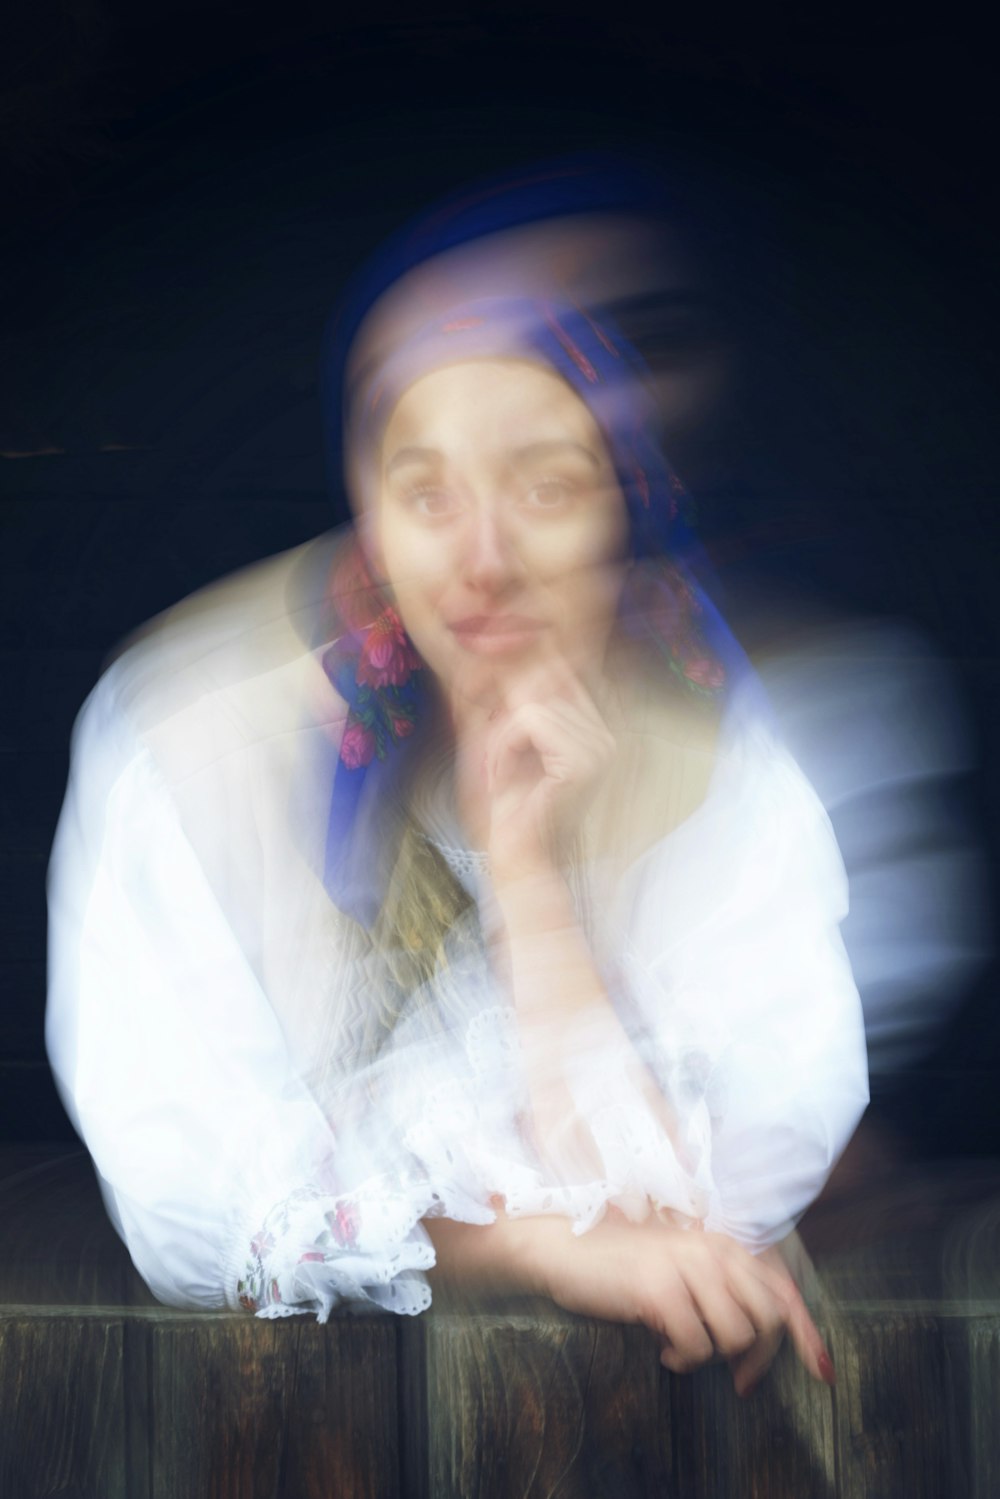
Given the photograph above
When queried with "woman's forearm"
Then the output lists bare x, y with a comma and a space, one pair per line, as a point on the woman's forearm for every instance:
509, 1257
565, 1015
550, 965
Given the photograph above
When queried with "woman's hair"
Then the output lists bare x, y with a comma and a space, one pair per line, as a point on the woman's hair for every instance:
422, 902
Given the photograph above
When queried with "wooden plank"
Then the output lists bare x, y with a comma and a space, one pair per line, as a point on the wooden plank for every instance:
777, 1444
61, 1406
151, 1403
411, 1357
982, 1338
544, 1405
893, 1426
239, 1408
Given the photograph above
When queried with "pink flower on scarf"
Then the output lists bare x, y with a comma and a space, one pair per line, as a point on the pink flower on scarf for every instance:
387, 657
401, 727
352, 590
704, 672
357, 746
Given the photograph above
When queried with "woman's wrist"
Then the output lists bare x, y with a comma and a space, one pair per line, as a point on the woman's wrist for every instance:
510, 1257
535, 902
548, 962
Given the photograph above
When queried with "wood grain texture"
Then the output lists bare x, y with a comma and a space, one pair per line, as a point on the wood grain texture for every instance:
777, 1444
61, 1406
104, 1393
149, 1403
895, 1436
540, 1406
238, 1408
979, 1402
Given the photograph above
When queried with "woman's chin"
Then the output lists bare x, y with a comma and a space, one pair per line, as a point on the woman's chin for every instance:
479, 683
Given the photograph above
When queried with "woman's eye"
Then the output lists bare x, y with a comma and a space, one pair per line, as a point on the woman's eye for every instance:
550, 494
430, 501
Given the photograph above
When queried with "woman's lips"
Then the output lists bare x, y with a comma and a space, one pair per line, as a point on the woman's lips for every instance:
493, 634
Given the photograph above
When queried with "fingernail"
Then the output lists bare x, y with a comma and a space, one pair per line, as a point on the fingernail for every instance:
827, 1372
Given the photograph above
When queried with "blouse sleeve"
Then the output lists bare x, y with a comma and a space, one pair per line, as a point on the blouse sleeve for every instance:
744, 995
227, 1183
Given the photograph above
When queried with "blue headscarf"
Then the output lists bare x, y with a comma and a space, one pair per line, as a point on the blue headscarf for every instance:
373, 665
586, 182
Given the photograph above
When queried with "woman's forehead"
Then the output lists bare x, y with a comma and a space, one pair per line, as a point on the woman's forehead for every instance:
495, 404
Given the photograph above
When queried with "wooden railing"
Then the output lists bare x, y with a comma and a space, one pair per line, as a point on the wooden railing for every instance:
105, 1394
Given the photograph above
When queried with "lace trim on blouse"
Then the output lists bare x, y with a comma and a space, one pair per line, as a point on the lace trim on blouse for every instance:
464, 863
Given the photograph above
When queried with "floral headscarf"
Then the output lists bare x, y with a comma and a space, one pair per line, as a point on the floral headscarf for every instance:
372, 663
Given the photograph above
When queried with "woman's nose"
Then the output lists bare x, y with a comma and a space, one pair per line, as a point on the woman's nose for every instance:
491, 559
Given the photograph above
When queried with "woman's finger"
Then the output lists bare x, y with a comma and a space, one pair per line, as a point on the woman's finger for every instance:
807, 1338
513, 738
749, 1368
770, 1269
567, 753
732, 1331
558, 687
554, 717
674, 1318
545, 680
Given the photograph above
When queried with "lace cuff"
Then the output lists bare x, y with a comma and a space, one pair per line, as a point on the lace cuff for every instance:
313, 1251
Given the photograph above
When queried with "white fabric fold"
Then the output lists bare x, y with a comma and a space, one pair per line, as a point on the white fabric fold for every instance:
191, 983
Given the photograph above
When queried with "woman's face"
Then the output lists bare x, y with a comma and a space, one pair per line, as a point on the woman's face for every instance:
499, 523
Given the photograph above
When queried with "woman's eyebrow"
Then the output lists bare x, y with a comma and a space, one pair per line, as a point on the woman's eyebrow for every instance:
403, 456
525, 453
551, 447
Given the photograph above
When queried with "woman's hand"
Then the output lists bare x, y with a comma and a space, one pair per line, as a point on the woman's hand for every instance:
547, 751
702, 1295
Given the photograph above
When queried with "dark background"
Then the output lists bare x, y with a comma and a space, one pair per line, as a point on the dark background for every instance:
186, 189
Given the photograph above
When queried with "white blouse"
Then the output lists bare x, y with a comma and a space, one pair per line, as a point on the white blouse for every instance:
208, 1005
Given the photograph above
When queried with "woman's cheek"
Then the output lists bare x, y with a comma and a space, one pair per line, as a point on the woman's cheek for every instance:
585, 541
418, 600
415, 568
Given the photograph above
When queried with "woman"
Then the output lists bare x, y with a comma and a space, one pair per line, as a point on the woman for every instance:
550, 980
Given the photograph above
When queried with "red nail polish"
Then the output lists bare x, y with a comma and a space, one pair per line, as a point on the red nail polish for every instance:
827, 1372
